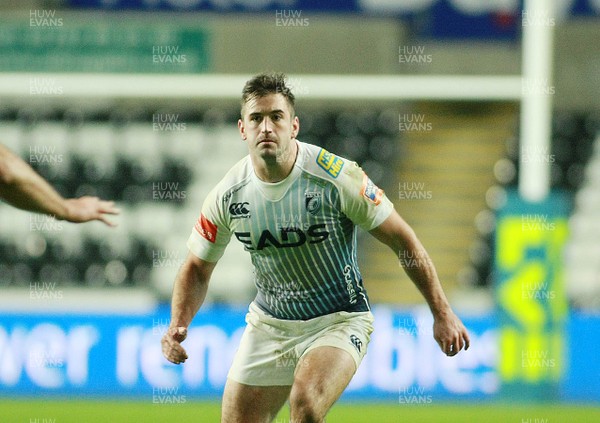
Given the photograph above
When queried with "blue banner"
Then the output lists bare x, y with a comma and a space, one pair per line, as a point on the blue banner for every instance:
438, 19
473, 8
120, 356
108, 355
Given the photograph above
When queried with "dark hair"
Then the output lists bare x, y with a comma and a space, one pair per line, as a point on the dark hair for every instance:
265, 84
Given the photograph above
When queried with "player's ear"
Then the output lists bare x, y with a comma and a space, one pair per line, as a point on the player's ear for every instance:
295, 126
242, 129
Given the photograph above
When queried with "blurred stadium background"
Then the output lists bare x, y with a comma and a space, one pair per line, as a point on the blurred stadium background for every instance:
137, 101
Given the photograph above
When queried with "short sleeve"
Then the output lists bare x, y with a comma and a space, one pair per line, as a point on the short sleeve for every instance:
362, 201
211, 233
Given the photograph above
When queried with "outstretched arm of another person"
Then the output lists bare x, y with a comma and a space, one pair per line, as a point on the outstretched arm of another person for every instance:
22, 187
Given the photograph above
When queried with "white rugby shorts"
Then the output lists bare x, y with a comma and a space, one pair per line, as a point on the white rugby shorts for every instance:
271, 348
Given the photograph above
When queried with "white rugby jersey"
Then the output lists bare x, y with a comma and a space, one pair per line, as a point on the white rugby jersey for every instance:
300, 232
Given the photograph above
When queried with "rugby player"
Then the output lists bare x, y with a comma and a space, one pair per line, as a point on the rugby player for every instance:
22, 187
295, 208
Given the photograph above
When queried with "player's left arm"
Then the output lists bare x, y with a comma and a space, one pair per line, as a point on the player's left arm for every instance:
448, 330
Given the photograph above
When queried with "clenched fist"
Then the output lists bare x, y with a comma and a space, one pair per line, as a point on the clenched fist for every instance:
171, 344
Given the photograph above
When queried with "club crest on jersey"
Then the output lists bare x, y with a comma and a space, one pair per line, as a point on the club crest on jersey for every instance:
330, 163
312, 202
371, 191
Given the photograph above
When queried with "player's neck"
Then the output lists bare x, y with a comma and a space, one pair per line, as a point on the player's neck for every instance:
275, 169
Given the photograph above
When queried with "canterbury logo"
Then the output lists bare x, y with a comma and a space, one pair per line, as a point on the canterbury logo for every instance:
239, 209
356, 342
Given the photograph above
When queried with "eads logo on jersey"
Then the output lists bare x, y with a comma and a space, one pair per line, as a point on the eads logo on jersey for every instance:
206, 228
371, 191
287, 237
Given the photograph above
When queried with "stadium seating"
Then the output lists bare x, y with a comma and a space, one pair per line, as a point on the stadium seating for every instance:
572, 163
159, 178
581, 268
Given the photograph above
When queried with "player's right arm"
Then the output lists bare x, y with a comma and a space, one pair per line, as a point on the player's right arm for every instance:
206, 244
189, 292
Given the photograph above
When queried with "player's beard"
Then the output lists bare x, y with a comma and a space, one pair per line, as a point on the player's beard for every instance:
283, 153
275, 152
267, 149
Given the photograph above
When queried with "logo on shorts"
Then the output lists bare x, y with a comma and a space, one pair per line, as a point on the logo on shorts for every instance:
356, 342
